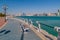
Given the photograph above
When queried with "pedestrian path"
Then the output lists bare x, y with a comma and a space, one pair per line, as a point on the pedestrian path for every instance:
31, 36
12, 31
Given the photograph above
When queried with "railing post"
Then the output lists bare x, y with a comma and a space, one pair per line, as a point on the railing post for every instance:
26, 20
30, 22
58, 30
39, 28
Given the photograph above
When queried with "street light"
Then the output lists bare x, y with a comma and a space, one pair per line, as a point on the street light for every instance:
5, 9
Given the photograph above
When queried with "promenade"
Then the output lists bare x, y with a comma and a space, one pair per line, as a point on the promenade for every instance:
13, 31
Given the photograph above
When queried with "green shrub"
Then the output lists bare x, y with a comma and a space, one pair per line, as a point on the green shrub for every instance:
2, 15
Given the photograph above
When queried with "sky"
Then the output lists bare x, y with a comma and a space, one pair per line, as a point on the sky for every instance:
30, 6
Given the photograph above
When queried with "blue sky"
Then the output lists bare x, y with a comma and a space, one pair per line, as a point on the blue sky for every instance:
30, 6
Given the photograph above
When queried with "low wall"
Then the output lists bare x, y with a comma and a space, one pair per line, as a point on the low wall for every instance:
2, 21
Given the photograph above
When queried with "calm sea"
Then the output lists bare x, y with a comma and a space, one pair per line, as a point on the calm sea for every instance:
47, 22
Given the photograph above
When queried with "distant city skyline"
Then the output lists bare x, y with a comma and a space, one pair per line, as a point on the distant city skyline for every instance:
30, 6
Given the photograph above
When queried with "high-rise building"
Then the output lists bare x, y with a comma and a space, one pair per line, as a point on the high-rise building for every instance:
23, 14
58, 12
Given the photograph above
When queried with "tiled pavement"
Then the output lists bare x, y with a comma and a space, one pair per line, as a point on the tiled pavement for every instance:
12, 31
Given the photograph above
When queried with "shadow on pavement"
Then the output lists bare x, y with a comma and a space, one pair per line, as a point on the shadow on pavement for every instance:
22, 36
7, 32
3, 32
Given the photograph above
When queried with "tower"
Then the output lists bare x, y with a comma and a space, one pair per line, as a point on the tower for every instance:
23, 14
58, 12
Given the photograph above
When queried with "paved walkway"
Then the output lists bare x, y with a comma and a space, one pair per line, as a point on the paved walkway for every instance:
12, 31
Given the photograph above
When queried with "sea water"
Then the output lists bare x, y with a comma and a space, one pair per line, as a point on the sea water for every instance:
51, 21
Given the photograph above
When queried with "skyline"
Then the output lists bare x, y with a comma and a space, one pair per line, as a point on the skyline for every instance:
30, 6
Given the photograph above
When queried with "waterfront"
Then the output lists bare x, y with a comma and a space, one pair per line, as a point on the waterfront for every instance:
12, 31
52, 21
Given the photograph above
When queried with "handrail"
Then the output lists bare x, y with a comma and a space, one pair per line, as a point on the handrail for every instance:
47, 25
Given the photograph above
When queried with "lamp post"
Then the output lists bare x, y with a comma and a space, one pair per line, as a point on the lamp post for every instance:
5, 9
